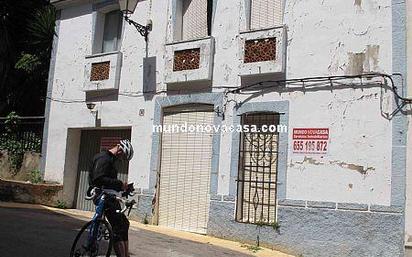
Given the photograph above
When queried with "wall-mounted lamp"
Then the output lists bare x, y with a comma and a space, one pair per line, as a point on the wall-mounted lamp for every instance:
128, 7
94, 112
90, 105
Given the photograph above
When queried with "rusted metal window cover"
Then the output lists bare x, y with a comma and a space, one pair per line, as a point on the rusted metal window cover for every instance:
188, 59
100, 71
260, 50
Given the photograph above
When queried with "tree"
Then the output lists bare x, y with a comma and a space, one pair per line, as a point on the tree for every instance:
27, 31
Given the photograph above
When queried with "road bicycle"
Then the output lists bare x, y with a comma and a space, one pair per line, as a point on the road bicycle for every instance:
95, 238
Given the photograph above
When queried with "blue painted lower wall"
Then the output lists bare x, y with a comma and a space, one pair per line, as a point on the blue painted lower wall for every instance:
317, 231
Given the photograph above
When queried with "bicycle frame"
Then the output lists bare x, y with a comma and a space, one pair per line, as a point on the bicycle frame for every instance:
99, 215
98, 229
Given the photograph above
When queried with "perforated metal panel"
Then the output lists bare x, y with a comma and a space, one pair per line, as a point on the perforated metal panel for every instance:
185, 172
92, 142
265, 13
194, 19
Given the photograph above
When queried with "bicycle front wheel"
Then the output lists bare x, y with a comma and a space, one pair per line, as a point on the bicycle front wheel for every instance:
93, 240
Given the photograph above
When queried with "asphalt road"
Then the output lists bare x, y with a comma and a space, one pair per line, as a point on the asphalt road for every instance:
42, 233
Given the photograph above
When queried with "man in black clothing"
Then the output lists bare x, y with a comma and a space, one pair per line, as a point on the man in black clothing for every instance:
103, 174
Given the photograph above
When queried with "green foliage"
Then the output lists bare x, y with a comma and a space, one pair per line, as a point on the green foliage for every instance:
10, 142
11, 122
35, 177
260, 223
26, 36
252, 248
61, 204
42, 27
145, 220
275, 225
28, 62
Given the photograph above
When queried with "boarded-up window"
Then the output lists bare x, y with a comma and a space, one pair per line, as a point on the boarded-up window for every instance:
265, 13
194, 19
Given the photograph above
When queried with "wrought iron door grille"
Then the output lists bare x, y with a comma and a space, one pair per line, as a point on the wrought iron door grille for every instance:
258, 158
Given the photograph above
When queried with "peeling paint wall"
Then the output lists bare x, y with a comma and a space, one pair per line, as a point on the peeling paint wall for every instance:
324, 37
332, 33
75, 42
408, 218
360, 175
331, 38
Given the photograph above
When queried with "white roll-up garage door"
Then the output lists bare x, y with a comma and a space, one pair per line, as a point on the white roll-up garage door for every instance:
185, 170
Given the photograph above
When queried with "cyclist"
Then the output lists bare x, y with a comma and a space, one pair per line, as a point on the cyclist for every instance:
103, 174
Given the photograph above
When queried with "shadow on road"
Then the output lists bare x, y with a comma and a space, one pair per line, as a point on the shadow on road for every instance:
36, 232
43, 233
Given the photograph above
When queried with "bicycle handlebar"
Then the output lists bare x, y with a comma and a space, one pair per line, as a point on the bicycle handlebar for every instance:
128, 205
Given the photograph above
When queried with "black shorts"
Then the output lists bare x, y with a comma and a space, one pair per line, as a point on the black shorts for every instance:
118, 221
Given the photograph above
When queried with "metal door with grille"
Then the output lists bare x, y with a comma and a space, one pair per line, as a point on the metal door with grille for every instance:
185, 171
92, 142
258, 158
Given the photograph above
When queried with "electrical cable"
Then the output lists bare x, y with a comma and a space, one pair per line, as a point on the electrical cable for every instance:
329, 79
283, 82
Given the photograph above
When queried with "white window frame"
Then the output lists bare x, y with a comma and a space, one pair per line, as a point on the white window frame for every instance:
176, 22
98, 28
247, 13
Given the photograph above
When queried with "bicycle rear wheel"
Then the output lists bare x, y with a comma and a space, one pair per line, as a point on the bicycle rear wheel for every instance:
100, 245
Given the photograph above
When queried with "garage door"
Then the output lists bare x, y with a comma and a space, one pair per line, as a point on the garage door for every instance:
185, 170
92, 142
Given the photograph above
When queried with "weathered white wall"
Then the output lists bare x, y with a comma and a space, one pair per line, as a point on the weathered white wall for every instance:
75, 42
408, 218
408, 214
71, 165
325, 37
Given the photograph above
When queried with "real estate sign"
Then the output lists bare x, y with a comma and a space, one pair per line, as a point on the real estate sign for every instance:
310, 140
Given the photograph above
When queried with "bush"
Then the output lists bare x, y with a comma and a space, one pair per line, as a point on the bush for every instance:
61, 204
35, 177
10, 141
145, 220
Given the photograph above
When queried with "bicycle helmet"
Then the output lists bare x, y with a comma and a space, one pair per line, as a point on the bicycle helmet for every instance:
127, 148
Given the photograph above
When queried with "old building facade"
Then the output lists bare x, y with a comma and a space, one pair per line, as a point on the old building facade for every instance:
332, 72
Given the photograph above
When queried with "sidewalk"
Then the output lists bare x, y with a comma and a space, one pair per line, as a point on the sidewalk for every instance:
136, 226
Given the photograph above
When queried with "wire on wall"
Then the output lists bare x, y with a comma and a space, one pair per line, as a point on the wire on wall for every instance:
269, 84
